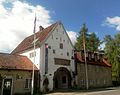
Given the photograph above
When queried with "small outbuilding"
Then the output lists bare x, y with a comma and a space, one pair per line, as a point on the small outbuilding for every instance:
16, 74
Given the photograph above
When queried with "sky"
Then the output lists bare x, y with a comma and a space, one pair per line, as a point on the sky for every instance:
17, 18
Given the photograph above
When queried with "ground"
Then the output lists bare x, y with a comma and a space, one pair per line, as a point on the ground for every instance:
104, 91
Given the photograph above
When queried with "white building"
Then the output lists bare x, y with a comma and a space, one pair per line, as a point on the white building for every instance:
54, 55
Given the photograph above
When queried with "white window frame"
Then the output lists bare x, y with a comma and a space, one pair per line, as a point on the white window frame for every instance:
28, 84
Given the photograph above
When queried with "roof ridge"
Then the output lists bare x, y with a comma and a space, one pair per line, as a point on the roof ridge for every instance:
42, 35
1, 53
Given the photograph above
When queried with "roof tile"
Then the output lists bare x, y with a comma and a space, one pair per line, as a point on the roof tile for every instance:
27, 42
9, 61
105, 61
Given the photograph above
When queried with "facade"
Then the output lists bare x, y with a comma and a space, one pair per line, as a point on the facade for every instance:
15, 74
98, 69
53, 56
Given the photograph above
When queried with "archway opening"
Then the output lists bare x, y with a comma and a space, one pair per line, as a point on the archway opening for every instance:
62, 78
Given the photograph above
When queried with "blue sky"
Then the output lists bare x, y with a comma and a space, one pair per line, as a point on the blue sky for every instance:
17, 17
73, 13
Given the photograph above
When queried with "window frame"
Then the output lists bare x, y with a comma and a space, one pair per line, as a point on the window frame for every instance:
61, 45
27, 84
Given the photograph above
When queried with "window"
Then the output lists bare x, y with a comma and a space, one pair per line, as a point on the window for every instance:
89, 56
60, 39
52, 36
67, 53
32, 54
61, 45
27, 83
92, 56
64, 79
53, 51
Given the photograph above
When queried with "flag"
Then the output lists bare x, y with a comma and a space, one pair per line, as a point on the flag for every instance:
34, 24
46, 58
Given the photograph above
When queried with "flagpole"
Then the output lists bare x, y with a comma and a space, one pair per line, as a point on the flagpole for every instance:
32, 85
86, 69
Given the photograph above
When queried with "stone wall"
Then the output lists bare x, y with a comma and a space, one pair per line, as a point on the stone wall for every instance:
98, 76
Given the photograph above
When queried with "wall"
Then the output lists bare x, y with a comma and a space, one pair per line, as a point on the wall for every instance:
18, 84
98, 76
55, 38
37, 57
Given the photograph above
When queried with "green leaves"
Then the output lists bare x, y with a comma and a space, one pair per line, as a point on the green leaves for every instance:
92, 41
112, 51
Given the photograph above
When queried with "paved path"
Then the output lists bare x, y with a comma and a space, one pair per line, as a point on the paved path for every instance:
109, 91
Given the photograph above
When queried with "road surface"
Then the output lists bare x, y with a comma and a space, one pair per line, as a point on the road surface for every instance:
110, 91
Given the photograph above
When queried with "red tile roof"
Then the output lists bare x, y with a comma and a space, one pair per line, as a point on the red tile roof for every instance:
104, 62
27, 42
15, 62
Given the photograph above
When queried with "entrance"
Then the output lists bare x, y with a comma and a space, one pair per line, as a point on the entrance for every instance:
7, 87
62, 79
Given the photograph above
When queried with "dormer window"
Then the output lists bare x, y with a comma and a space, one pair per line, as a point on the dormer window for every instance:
98, 57
82, 54
95, 57
89, 56
86, 54
92, 55
101, 57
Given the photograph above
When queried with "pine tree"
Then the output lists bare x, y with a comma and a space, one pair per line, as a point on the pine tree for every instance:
112, 51
92, 41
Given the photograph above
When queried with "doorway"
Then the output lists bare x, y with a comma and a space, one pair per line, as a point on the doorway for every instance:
7, 86
62, 79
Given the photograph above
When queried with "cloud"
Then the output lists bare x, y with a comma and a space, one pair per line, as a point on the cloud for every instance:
113, 22
72, 35
16, 22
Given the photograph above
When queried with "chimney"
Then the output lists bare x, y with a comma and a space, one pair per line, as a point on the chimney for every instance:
40, 28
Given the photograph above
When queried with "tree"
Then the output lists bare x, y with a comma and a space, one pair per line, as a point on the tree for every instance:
112, 51
92, 41
79, 43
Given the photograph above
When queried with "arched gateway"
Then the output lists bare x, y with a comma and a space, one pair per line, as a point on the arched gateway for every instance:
62, 78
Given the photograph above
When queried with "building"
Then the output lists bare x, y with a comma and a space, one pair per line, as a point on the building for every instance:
54, 55
15, 74
98, 69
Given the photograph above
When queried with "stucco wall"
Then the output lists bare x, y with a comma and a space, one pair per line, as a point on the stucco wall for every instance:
56, 37
37, 57
18, 83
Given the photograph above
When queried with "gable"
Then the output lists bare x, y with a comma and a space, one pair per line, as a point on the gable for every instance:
59, 35
59, 43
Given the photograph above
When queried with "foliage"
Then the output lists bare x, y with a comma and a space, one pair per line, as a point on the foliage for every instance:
91, 40
112, 51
